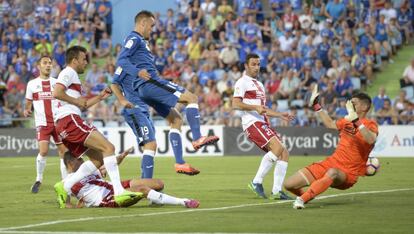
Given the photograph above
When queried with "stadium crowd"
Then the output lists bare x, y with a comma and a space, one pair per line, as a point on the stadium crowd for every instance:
339, 45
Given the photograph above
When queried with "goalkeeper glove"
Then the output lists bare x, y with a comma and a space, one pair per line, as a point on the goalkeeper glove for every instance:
314, 99
352, 115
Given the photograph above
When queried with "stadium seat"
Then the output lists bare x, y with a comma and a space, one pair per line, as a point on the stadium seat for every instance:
409, 90
356, 83
97, 123
297, 103
282, 105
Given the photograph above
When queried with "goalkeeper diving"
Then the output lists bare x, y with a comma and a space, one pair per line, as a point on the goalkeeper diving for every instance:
342, 169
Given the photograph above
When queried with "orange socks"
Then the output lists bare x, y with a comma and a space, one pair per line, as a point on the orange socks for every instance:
316, 188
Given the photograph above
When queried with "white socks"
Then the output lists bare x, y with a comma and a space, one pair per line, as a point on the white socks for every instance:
279, 176
63, 171
267, 162
40, 167
111, 166
161, 198
87, 168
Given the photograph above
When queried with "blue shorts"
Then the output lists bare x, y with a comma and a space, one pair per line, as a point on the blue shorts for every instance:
160, 94
141, 124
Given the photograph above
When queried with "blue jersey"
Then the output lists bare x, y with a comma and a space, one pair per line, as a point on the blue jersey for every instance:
136, 55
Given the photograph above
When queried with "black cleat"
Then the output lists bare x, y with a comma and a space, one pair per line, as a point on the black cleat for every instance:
36, 186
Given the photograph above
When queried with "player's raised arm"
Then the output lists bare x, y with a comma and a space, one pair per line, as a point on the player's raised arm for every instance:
104, 94
282, 115
314, 103
116, 90
369, 136
60, 94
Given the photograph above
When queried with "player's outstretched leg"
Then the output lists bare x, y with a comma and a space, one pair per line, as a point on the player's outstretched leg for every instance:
150, 189
268, 160
332, 176
193, 118
175, 120
278, 149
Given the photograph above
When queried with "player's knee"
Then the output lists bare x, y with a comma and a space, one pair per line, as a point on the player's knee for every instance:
192, 98
159, 185
152, 145
285, 155
109, 149
332, 172
176, 122
44, 152
287, 184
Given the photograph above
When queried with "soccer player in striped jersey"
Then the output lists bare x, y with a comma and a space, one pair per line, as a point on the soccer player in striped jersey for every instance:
39, 97
250, 97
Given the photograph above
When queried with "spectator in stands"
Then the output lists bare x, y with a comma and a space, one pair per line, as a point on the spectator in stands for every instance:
272, 84
13, 102
378, 101
329, 96
99, 27
362, 66
288, 86
205, 74
99, 86
387, 115
194, 12
343, 85
407, 115
211, 56
404, 18
399, 102
335, 10
340, 111
104, 9
3, 90
92, 76
408, 75
229, 56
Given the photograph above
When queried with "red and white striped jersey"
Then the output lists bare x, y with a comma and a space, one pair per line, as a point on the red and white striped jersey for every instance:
252, 92
91, 189
69, 78
40, 91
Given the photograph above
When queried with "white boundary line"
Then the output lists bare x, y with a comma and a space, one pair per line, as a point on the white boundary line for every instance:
14, 229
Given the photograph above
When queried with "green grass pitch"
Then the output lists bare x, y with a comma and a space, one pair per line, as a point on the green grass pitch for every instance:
222, 185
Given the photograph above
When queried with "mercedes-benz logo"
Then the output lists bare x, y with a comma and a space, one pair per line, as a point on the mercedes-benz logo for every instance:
243, 143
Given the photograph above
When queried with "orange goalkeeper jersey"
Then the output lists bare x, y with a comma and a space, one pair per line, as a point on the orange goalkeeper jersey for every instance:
352, 150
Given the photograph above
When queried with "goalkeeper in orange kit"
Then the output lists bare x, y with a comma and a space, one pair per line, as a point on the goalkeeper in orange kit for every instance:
342, 169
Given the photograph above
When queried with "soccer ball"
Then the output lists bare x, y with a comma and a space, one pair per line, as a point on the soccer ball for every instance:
373, 165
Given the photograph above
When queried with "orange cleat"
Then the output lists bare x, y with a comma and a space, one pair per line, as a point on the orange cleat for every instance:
205, 140
186, 169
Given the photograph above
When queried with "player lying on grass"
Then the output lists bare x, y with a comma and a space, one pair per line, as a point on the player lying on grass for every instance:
342, 169
94, 191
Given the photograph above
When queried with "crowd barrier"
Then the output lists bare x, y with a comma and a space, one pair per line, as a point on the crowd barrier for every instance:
393, 141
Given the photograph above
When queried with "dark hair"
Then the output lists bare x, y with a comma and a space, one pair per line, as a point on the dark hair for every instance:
73, 52
251, 56
365, 98
42, 57
142, 15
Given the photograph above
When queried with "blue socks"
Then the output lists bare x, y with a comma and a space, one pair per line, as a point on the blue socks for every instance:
177, 146
147, 164
193, 118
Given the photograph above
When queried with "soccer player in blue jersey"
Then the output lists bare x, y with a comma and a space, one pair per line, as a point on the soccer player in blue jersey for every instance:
136, 114
143, 87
